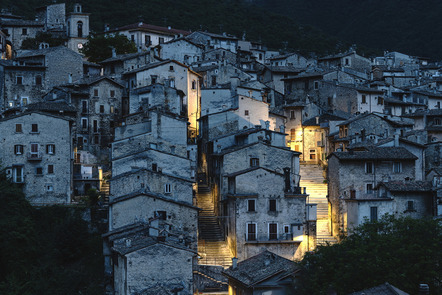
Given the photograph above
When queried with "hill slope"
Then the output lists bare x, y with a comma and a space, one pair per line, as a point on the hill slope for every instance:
410, 26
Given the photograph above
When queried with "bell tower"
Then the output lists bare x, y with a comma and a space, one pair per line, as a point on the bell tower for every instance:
77, 28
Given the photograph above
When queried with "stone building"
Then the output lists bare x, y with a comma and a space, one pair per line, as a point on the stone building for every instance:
355, 175
214, 41
350, 60
119, 63
36, 152
77, 28
62, 64
21, 83
17, 30
181, 50
53, 17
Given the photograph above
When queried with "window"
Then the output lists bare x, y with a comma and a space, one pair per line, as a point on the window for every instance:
437, 121
292, 115
316, 85
147, 40
312, 154
112, 109
161, 40
369, 167
254, 162
95, 92
251, 205
112, 93
17, 174
172, 82
80, 29
397, 167
154, 167
167, 188
380, 100
18, 128
171, 68
84, 123
38, 80
286, 228
39, 171
410, 206
373, 214
18, 149
34, 150
364, 99
132, 38
24, 31
49, 187
112, 69
19, 80
50, 149
162, 215
347, 62
246, 112
101, 109
96, 139
272, 205
24, 101
251, 231
95, 126
213, 80
273, 231
50, 169
84, 106
369, 188
194, 84
153, 146
153, 79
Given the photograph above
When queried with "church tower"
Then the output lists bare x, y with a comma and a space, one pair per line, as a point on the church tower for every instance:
77, 26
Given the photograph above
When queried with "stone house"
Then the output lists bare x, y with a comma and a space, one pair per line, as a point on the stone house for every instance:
356, 174
146, 35
290, 59
18, 29
264, 273
146, 260
20, 83
350, 59
433, 155
429, 121
36, 152
119, 63
173, 74
273, 76
62, 64
222, 73
53, 17
214, 41
220, 54
99, 104
414, 199
181, 50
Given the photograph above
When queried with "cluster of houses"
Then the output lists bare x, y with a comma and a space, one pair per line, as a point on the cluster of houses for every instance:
197, 127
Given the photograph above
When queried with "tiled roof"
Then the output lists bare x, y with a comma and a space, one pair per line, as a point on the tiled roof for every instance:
322, 119
152, 28
384, 289
122, 57
21, 23
56, 106
408, 186
250, 170
284, 69
260, 267
378, 153
42, 52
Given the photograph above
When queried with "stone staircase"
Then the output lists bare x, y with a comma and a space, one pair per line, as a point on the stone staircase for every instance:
211, 244
312, 178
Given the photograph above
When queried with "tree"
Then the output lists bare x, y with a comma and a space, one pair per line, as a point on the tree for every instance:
404, 252
41, 37
99, 47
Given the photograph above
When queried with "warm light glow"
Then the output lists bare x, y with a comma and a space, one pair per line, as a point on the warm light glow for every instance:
298, 238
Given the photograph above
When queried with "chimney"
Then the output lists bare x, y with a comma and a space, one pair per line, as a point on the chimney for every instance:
396, 140
424, 289
234, 263
287, 179
317, 120
70, 78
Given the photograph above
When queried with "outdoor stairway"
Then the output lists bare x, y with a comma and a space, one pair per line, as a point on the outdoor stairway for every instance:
211, 245
105, 191
312, 178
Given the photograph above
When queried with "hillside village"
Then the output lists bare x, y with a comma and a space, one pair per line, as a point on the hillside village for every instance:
215, 158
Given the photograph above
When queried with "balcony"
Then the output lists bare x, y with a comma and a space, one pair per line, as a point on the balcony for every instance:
285, 238
34, 156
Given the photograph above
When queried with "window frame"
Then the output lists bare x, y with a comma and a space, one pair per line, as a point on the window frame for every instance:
273, 236
273, 205
369, 167
254, 162
18, 149
18, 128
18, 80
251, 235
251, 208
50, 149
51, 169
397, 167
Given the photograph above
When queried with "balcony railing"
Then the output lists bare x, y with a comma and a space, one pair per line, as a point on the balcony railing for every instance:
34, 156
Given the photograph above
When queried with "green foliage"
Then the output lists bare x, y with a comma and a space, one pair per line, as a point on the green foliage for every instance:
404, 252
42, 37
99, 47
46, 251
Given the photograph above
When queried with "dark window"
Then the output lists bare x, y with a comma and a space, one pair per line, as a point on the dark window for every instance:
84, 106
50, 169
24, 31
96, 139
162, 215
246, 112
84, 123
39, 171
397, 167
101, 108
369, 167
213, 80
50, 149
410, 206
112, 69
273, 231
95, 92
251, 205
161, 40
292, 114
132, 38
112, 93
38, 80
380, 100
19, 80
18, 149
254, 162
171, 68
34, 150
272, 205
95, 126
34, 128
364, 99
80, 29
153, 79
147, 40
369, 188
193, 84
18, 128
154, 167
251, 232
373, 214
